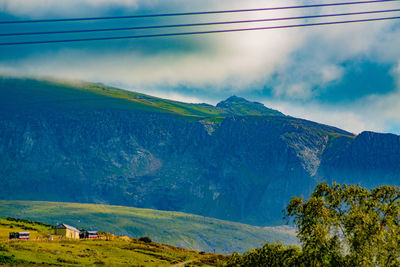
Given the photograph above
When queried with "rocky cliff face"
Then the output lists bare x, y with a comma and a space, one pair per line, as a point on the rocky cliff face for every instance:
239, 168
371, 159
244, 171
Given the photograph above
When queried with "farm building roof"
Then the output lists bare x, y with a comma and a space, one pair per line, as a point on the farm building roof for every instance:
66, 226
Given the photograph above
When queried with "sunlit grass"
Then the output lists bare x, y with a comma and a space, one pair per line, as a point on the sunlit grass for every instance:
109, 251
175, 228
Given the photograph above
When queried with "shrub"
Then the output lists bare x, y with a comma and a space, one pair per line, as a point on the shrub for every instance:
275, 255
6, 259
145, 239
11, 260
59, 259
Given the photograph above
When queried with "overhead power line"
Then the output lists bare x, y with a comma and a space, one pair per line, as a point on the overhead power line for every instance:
195, 13
197, 32
198, 24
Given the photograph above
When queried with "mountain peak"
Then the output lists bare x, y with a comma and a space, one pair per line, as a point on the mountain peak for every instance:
236, 98
240, 106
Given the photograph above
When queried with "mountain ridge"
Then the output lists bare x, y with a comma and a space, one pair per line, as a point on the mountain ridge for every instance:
80, 90
104, 145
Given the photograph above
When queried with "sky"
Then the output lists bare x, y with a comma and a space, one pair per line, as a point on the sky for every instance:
342, 75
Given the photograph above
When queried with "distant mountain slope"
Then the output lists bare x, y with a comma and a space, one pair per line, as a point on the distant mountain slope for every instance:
173, 228
372, 159
91, 143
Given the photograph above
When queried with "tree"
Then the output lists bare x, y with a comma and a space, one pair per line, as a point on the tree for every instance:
343, 225
339, 225
270, 255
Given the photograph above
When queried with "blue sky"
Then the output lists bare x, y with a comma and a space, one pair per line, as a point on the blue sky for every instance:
344, 75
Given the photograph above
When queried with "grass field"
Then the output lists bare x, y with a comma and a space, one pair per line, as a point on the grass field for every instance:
174, 228
108, 251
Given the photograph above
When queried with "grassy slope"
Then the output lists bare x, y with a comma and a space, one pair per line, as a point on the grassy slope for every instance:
110, 251
20, 94
175, 228
83, 95
202, 110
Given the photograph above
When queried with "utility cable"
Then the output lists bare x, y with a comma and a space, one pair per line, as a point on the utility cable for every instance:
197, 24
195, 13
196, 32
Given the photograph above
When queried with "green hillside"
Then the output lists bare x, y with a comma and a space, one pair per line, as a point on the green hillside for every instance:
174, 228
108, 250
85, 95
31, 93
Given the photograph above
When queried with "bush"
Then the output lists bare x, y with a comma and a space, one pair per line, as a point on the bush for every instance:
29, 222
6, 259
274, 255
11, 260
145, 239
106, 236
66, 261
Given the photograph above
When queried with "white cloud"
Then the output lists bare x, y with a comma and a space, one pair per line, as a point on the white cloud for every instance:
40, 8
176, 96
232, 60
380, 113
300, 58
344, 117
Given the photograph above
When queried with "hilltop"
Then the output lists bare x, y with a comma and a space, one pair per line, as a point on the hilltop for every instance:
239, 106
174, 228
108, 250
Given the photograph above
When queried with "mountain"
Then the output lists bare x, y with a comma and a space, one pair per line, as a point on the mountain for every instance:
239, 106
107, 250
237, 161
90, 96
371, 158
174, 228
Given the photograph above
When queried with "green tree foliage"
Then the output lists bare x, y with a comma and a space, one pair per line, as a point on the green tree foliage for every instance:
343, 225
339, 225
274, 255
